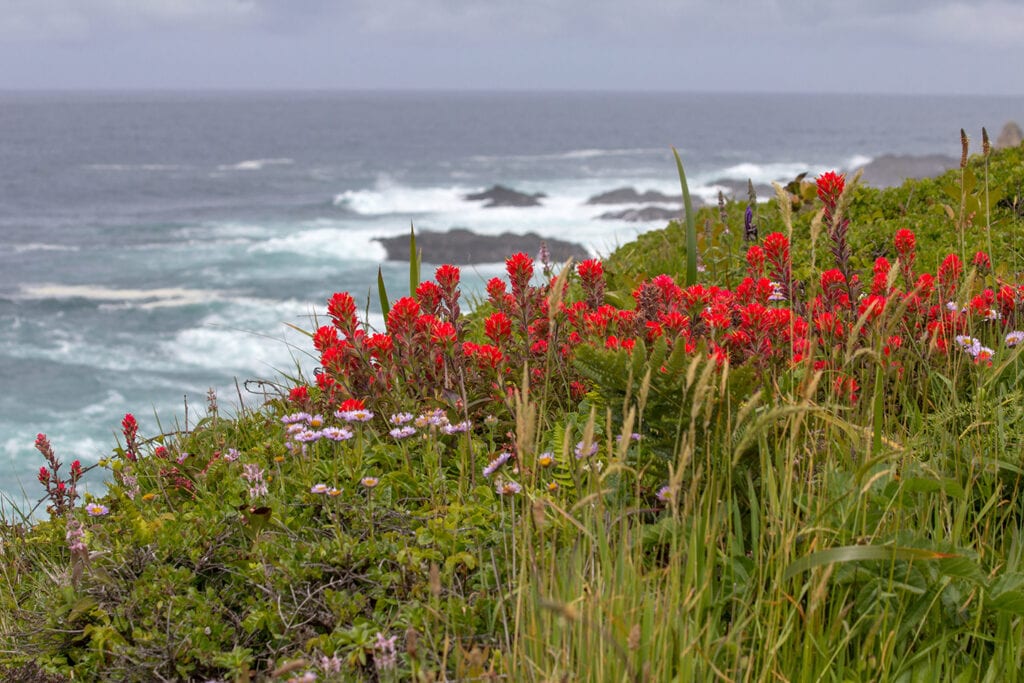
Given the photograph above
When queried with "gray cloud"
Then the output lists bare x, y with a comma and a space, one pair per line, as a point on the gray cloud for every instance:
867, 45
42, 20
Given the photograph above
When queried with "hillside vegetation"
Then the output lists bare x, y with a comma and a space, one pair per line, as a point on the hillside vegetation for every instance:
804, 464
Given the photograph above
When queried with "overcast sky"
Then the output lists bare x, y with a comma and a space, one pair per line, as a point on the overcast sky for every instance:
886, 46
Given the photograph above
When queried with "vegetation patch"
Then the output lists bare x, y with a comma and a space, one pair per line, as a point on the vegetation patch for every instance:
796, 457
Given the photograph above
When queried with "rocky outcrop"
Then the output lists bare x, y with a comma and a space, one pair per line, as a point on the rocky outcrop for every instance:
464, 247
499, 195
647, 214
890, 170
1010, 136
629, 195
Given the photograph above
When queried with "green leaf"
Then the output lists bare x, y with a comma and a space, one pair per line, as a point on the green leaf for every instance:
414, 262
382, 292
862, 553
691, 225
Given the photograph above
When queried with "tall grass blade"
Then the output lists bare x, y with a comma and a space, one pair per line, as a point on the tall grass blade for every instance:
691, 224
414, 262
861, 553
382, 292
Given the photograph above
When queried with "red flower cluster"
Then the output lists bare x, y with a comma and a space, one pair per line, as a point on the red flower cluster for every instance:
830, 186
130, 429
425, 350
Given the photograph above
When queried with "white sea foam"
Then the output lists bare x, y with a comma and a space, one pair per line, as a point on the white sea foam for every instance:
335, 241
252, 341
42, 246
765, 173
388, 197
134, 167
140, 298
857, 161
220, 232
573, 154
255, 164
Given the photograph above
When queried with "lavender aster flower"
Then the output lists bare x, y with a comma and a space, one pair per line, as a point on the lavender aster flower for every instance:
357, 415
401, 418
402, 432
296, 418
336, 433
664, 494
584, 450
307, 436
457, 428
507, 488
493, 465
96, 510
1014, 338
318, 488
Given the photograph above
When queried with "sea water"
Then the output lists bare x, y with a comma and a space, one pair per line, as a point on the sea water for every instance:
156, 245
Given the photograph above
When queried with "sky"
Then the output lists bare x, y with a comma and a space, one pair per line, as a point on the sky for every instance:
861, 46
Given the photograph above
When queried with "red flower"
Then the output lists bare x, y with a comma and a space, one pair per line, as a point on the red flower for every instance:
755, 261
577, 390
342, 309
496, 289
298, 395
592, 278
44, 476
326, 383
520, 269
498, 328
402, 316
485, 355
129, 426
590, 270
442, 333
380, 345
830, 186
983, 263
776, 249
76, 470
949, 272
447, 276
130, 429
905, 241
429, 296
352, 404
325, 337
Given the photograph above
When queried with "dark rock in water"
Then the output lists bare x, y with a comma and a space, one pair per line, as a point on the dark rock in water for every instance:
1010, 136
890, 170
465, 247
629, 195
499, 195
647, 214
738, 189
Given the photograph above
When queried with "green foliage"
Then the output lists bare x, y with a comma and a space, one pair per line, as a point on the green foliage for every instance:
991, 220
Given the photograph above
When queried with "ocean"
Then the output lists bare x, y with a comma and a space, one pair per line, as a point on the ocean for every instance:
156, 245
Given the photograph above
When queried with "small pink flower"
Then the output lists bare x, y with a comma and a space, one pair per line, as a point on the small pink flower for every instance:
96, 510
